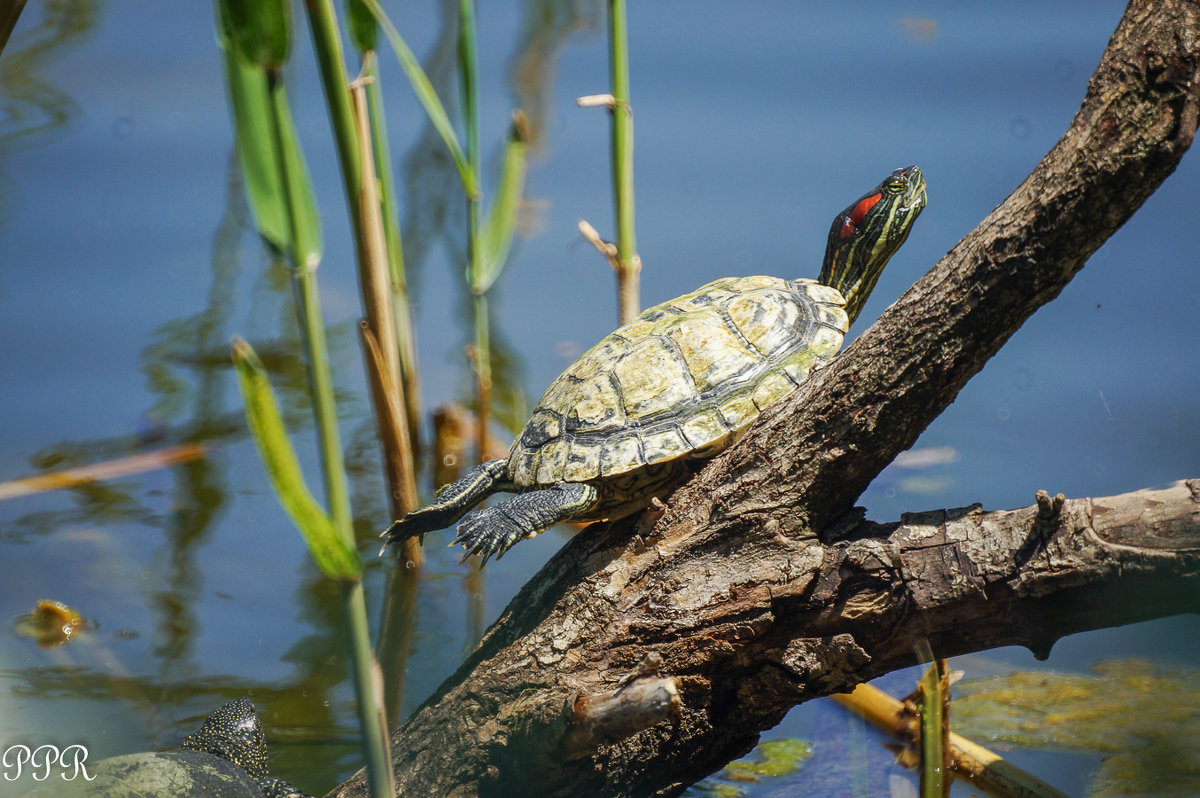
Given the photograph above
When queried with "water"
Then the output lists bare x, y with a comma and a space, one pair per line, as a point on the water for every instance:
128, 265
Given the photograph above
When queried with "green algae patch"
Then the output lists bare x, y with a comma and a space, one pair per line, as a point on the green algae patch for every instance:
773, 759
1144, 719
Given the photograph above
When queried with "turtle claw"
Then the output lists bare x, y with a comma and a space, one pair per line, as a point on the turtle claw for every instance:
489, 533
404, 529
419, 522
452, 502
396, 533
492, 531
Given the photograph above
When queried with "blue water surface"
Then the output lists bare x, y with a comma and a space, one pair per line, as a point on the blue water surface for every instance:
128, 261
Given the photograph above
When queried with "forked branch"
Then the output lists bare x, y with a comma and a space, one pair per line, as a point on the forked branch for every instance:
757, 587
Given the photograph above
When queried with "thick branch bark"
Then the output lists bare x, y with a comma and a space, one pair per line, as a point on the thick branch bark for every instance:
847, 611
755, 590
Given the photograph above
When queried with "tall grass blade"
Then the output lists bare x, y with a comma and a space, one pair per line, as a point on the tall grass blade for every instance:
931, 704
468, 74
502, 218
427, 96
330, 537
260, 30
257, 133
251, 106
335, 557
383, 355
395, 388
480, 353
363, 27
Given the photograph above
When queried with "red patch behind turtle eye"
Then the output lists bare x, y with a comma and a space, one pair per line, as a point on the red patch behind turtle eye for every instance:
856, 215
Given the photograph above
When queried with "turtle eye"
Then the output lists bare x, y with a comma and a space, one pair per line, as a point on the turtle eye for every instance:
895, 185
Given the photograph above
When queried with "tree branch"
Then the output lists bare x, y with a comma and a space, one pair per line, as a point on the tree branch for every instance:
756, 587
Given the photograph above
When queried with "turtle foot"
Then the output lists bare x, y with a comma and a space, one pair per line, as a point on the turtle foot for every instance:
489, 532
493, 530
278, 788
451, 503
419, 522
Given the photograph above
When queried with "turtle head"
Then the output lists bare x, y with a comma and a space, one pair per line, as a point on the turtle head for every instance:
865, 235
235, 734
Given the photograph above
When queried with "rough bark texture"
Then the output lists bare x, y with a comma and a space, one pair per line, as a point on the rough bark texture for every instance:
758, 588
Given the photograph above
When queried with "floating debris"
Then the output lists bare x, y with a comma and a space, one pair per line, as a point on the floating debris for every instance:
112, 469
52, 623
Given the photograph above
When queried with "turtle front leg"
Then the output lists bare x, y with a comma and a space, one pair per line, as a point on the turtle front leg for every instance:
452, 502
494, 530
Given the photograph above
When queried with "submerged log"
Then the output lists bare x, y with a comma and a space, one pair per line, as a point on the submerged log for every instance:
759, 588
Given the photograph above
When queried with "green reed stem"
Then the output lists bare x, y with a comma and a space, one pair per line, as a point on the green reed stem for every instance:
629, 265
327, 41
425, 95
263, 37
482, 363
469, 76
932, 704
313, 326
369, 693
469, 80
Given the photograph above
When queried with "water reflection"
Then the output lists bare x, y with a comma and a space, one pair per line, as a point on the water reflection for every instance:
187, 372
509, 407
190, 400
30, 105
546, 27
434, 214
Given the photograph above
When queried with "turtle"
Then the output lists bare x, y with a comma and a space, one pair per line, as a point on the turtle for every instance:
235, 733
637, 413
226, 756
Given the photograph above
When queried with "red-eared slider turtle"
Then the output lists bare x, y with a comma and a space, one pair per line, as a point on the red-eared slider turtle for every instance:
681, 382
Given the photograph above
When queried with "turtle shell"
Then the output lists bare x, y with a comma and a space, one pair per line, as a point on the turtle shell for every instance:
682, 380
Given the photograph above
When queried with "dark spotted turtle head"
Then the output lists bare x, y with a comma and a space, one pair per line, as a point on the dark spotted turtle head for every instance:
226, 756
234, 733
